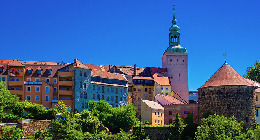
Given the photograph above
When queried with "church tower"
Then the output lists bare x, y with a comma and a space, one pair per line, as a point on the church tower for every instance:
175, 59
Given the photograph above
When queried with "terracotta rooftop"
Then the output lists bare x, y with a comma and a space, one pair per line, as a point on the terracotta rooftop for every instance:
164, 81
226, 75
171, 99
129, 70
15, 62
78, 64
153, 105
98, 67
139, 77
254, 83
108, 75
43, 68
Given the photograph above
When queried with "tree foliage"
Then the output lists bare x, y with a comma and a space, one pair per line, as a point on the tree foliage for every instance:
177, 127
253, 72
217, 127
122, 117
11, 133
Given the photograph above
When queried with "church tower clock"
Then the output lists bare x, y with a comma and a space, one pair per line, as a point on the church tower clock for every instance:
175, 59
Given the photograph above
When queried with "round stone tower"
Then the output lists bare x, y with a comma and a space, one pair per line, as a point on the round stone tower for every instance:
227, 93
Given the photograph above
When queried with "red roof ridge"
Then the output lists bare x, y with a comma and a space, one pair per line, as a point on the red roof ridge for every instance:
226, 75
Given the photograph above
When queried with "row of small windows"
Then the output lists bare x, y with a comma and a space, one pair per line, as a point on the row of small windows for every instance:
29, 79
146, 90
185, 112
85, 74
108, 89
176, 60
108, 98
37, 89
165, 88
39, 71
37, 98
158, 114
3, 79
155, 122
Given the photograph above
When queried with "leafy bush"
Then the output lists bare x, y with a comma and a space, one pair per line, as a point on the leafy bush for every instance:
11, 133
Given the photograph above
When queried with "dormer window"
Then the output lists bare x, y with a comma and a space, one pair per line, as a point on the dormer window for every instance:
1, 69
29, 71
39, 71
49, 71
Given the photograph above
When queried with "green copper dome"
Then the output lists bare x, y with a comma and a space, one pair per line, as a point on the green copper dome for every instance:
174, 28
176, 49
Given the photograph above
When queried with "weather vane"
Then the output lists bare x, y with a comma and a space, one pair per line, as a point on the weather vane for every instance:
225, 55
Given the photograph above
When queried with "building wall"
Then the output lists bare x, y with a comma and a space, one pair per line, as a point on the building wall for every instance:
162, 89
157, 117
239, 101
140, 93
182, 109
79, 87
146, 113
177, 68
257, 107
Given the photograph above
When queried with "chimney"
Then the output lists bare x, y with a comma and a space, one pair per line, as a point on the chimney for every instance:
135, 70
75, 60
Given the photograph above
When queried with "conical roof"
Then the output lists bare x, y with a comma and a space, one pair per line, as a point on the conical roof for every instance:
226, 75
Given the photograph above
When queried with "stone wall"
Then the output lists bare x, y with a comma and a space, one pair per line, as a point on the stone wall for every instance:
31, 126
156, 133
228, 100
170, 112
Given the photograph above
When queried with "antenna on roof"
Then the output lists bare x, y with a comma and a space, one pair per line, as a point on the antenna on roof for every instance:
225, 55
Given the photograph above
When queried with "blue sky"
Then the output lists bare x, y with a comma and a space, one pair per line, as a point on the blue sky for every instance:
128, 32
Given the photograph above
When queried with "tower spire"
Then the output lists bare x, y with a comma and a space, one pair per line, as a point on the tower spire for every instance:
174, 19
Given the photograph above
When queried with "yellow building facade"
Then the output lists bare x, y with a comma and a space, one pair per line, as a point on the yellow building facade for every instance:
152, 112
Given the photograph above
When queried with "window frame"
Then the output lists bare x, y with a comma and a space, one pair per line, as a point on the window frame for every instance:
36, 98
48, 88
48, 98
29, 97
36, 89
47, 79
54, 80
27, 88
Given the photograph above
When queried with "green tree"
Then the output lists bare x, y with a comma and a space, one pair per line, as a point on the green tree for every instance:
7, 102
190, 129
217, 127
89, 122
253, 72
11, 133
177, 127
122, 117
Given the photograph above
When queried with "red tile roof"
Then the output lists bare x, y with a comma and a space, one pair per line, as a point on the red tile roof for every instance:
171, 99
43, 68
254, 83
15, 62
98, 67
153, 105
108, 75
139, 77
164, 81
226, 75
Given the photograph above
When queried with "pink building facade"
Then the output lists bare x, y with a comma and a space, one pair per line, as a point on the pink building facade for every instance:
170, 112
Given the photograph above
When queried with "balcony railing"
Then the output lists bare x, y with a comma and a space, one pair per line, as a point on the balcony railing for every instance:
15, 83
65, 92
65, 74
17, 92
66, 83
32, 83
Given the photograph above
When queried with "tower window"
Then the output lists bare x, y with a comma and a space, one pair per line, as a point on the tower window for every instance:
182, 60
171, 60
177, 60
171, 39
